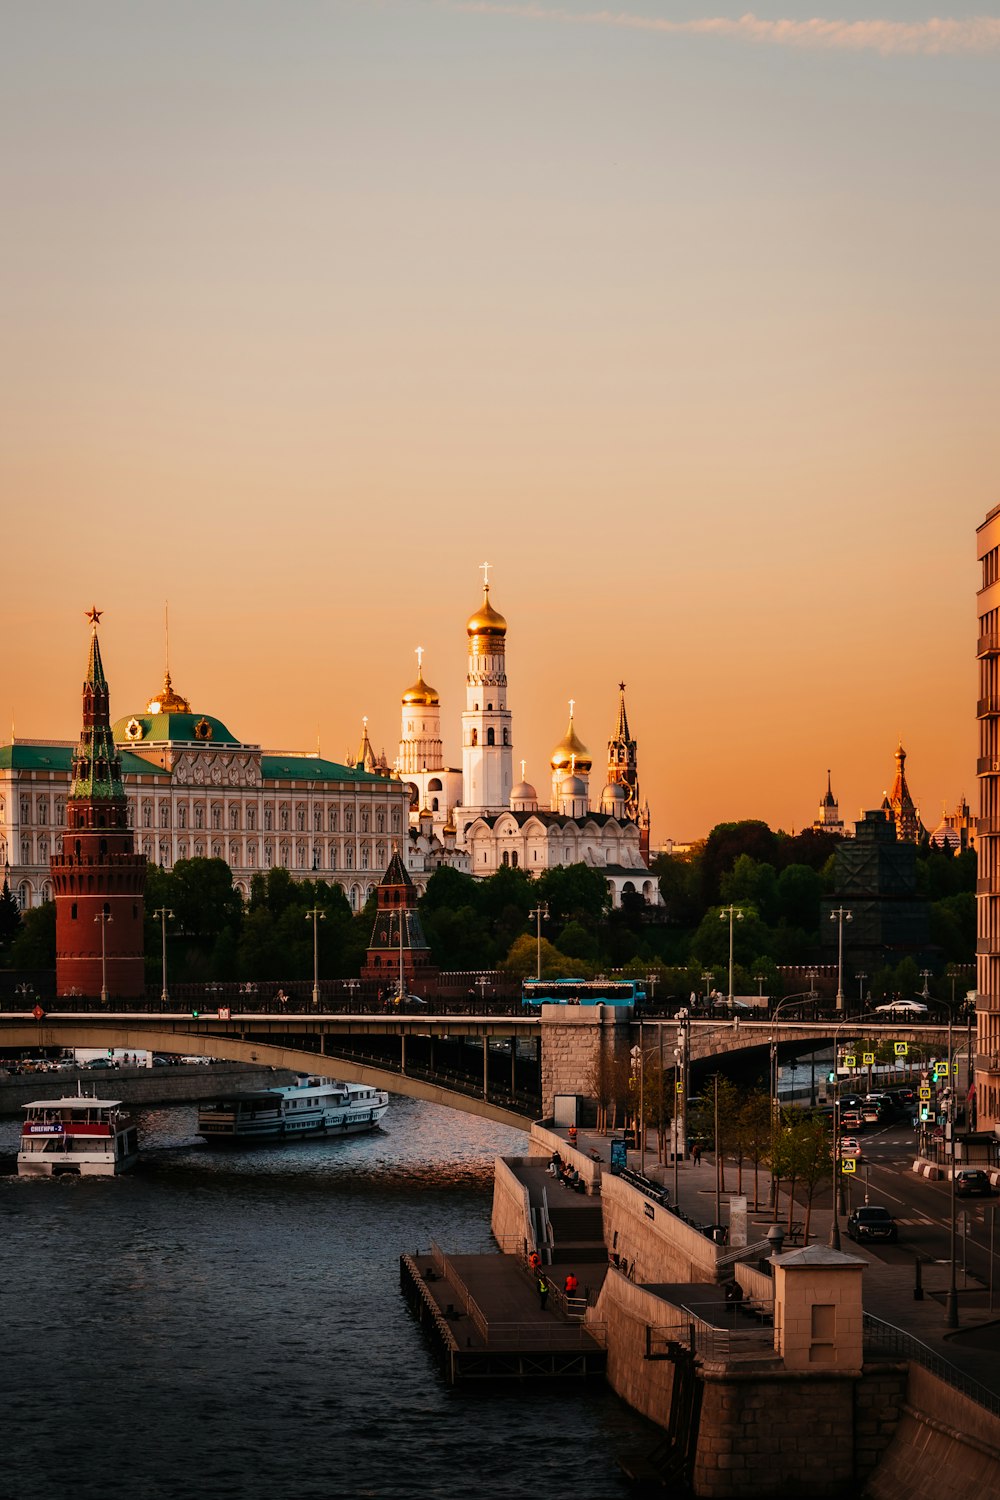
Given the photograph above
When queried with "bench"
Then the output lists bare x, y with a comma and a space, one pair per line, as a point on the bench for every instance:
795, 1231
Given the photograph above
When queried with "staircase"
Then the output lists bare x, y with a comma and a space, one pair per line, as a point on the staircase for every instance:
578, 1234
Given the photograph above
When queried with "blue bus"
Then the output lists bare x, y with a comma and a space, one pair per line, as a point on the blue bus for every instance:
536, 992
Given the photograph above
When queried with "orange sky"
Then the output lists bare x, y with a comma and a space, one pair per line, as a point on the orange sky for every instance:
691, 335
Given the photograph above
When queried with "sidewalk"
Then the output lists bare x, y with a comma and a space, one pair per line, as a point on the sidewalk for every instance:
888, 1287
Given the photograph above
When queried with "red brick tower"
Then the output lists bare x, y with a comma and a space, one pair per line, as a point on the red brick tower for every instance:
398, 951
98, 878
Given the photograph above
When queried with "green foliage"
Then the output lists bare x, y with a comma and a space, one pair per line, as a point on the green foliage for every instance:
34, 944
725, 844
573, 893
521, 960
799, 892
10, 917
751, 883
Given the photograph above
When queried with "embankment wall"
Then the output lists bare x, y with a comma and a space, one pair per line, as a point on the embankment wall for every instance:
140, 1087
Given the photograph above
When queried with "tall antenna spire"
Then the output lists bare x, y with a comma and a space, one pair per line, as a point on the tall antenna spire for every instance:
166, 636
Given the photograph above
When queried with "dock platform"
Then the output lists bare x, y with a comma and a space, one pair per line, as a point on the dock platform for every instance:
484, 1317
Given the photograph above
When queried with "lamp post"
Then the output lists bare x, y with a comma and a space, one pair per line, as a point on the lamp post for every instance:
165, 914
538, 912
638, 1061
315, 914
651, 979
706, 980
733, 913
925, 993
812, 975
352, 985
840, 915
482, 982
835, 1151
24, 990
861, 989
104, 917
758, 980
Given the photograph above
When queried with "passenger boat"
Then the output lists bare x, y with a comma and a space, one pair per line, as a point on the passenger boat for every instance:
81, 1136
311, 1106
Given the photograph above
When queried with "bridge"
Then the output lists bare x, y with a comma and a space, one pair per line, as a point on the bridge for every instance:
490, 1065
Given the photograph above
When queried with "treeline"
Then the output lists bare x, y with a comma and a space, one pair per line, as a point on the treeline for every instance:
777, 880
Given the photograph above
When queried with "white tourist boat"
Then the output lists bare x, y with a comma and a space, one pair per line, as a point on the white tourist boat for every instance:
81, 1136
311, 1106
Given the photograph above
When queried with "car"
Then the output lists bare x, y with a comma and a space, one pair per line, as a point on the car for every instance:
852, 1119
971, 1182
739, 1008
902, 1008
850, 1147
870, 1222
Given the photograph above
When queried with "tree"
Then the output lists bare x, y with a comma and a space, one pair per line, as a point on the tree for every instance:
752, 883
724, 845
10, 916
204, 899
574, 893
34, 946
799, 891
754, 1129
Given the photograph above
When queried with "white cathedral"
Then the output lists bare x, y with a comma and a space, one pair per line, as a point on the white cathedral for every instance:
478, 819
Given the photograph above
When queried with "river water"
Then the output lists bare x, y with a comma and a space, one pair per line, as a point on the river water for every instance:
231, 1325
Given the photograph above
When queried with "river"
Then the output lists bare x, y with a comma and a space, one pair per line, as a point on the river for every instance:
231, 1325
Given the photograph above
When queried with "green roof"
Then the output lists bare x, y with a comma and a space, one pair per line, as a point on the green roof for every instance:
311, 768
21, 757
173, 727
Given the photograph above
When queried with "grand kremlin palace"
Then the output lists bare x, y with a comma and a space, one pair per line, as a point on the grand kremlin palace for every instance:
195, 791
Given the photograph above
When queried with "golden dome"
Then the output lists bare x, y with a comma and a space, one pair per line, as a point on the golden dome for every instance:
487, 620
167, 701
420, 695
570, 753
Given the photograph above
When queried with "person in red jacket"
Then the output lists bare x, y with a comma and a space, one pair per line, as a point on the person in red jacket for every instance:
571, 1285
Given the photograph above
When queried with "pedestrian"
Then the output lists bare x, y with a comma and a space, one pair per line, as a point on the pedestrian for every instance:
535, 1262
543, 1292
696, 1155
571, 1285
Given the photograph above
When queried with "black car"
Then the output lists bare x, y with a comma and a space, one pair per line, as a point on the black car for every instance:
870, 1223
971, 1183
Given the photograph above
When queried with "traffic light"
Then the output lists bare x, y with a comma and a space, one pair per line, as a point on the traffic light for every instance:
195, 1014
831, 1078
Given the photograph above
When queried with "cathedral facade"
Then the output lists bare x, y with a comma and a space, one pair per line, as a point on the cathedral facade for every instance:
478, 819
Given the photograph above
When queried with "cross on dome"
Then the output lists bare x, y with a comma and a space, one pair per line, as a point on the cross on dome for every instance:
484, 568
523, 764
420, 660
572, 706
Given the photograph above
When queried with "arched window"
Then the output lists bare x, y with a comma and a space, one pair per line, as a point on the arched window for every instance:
434, 805
434, 785
43, 809
300, 818
268, 819
199, 816
349, 821
348, 858
395, 820
164, 814
364, 820
475, 737
365, 856
25, 811
216, 815
147, 815
251, 818
234, 852
513, 859
380, 820
506, 857
283, 818
317, 820
234, 818
333, 820
506, 736
181, 815
491, 737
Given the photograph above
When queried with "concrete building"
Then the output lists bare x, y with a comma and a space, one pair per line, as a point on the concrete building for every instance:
987, 1083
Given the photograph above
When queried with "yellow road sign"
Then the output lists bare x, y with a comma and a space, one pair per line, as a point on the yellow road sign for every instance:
924, 1091
868, 1058
848, 1164
850, 1061
900, 1048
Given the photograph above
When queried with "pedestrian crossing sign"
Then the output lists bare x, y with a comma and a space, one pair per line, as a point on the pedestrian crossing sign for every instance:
850, 1061
941, 1070
925, 1091
679, 1086
848, 1164
868, 1058
900, 1048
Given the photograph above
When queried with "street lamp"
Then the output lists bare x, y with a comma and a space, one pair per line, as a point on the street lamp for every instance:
706, 980
758, 980
315, 914
651, 981
840, 915
352, 985
538, 912
638, 1061
164, 913
681, 1053
925, 993
861, 989
104, 917
835, 1151
731, 912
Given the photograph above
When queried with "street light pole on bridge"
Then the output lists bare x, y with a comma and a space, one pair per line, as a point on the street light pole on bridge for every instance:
840, 915
316, 914
538, 912
164, 913
104, 917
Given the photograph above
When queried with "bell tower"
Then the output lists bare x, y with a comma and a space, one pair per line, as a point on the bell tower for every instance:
487, 737
98, 879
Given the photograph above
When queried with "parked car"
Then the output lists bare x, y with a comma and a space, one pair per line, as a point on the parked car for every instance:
872, 1223
850, 1147
902, 1008
971, 1182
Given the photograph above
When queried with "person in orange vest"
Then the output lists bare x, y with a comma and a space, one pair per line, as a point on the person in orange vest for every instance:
572, 1135
571, 1285
535, 1262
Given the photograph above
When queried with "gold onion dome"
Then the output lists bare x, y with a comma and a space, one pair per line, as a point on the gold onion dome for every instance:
487, 620
570, 753
166, 701
420, 695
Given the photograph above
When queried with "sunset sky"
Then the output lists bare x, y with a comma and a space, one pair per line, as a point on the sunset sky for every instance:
684, 318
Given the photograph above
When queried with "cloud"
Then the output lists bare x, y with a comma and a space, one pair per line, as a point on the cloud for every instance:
940, 35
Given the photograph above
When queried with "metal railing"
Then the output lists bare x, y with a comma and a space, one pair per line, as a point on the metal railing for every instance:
718, 1344
904, 1346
